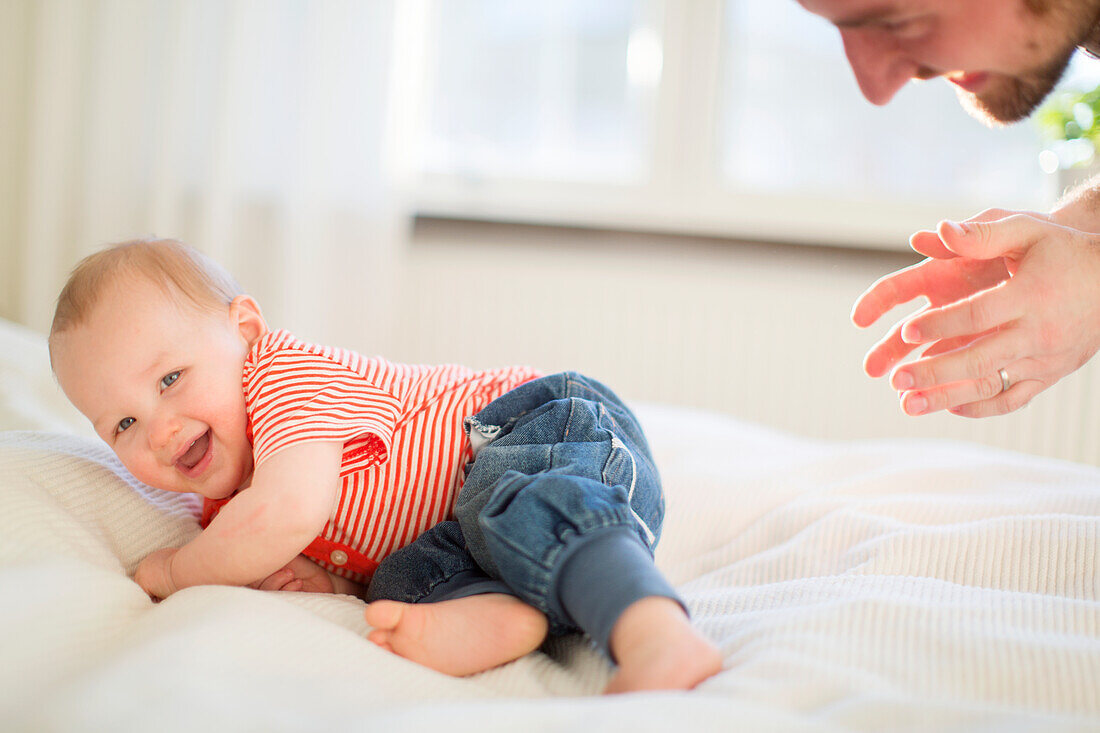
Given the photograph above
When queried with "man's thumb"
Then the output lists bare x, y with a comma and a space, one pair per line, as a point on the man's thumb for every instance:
985, 240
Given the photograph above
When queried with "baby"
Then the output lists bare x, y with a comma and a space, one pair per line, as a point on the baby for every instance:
485, 509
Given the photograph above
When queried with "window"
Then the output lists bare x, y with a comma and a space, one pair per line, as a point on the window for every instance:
737, 118
796, 121
553, 91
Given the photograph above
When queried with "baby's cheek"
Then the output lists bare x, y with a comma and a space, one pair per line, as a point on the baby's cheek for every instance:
146, 473
227, 415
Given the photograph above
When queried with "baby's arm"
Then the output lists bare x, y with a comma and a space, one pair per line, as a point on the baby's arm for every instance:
261, 530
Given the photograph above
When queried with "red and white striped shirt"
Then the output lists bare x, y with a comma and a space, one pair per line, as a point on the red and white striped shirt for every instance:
401, 426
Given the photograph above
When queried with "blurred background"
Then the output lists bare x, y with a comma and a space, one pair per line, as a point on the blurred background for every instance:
680, 197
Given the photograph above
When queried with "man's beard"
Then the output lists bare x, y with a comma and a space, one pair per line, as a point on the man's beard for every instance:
1011, 99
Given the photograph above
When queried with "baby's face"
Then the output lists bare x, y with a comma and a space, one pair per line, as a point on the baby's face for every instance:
161, 383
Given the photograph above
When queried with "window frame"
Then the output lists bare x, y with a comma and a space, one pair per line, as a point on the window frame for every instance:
684, 190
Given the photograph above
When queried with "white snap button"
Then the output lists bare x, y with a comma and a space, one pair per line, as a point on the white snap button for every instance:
338, 557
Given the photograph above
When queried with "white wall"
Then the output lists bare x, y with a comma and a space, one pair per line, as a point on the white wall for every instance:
757, 331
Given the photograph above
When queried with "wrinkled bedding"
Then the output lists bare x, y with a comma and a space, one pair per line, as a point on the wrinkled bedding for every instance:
881, 585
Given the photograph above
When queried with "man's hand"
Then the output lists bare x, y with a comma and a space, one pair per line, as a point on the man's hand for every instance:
1012, 291
154, 574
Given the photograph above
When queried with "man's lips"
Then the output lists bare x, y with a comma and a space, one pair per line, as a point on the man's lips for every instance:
971, 81
195, 456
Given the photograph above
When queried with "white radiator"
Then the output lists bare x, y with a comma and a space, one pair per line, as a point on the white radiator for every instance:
760, 332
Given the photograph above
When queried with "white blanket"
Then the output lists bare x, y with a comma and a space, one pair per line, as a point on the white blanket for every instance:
850, 586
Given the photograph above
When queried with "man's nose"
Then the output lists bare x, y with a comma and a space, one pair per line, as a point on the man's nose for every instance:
880, 70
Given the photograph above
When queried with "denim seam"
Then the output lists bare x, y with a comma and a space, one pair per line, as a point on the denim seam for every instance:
447, 579
616, 443
569, 419
592, 396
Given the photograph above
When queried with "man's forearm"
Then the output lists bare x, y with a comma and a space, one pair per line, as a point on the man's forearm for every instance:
1079, 208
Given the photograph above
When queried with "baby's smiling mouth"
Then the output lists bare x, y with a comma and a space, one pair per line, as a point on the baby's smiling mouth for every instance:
193, 455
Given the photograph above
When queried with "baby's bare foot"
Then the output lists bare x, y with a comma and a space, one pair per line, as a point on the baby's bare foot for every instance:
460, 636
657, 648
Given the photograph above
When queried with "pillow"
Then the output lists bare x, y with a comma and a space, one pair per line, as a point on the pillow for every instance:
29, 397
67, 497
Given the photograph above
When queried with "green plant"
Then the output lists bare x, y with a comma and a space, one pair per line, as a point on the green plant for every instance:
1069, 120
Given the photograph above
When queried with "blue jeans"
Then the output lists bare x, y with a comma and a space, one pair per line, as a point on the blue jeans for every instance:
561, 507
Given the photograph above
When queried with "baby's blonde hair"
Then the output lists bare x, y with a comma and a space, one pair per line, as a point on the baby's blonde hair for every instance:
173, 266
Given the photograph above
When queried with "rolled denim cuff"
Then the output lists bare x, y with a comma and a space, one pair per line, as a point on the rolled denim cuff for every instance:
463, 584
604, 572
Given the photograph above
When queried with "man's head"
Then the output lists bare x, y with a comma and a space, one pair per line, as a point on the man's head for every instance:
148, 341
1003, 56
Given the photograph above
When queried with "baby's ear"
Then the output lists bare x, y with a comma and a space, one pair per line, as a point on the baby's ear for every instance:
246, 317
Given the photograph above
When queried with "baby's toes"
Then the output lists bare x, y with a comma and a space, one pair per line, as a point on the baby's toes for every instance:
384, 614
382, 638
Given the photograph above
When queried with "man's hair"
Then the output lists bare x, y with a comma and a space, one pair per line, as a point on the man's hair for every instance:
171, 265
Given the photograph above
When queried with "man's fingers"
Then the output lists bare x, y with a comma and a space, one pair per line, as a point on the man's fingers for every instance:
929, 244
980, 360
889, 351
985, 311
946, 396
944, 346
980, 397
888, 292
984, 240
1017, 396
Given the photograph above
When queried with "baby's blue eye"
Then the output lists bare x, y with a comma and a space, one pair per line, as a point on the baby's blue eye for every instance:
169, 379
124, 423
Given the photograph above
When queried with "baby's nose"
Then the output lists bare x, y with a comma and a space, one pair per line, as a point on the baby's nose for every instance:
161, 432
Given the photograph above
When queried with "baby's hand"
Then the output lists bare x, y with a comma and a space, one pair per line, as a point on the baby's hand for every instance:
154, 573
300, 574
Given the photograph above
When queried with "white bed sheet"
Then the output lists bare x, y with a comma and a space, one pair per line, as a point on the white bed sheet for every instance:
850, 586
